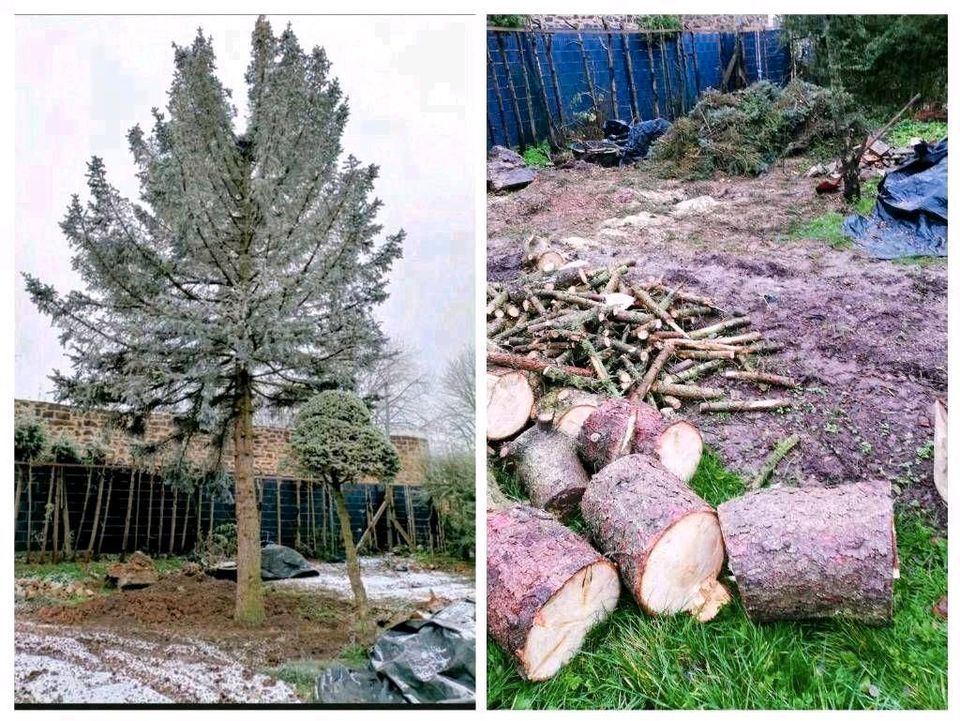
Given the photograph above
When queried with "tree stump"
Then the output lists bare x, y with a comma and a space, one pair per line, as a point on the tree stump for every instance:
619, 427
664, 538
813, 552
546, 588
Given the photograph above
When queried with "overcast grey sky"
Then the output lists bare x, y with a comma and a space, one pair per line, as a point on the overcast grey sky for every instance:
83, 82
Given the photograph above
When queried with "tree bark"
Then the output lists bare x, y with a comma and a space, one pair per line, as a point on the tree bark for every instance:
618, 428
549, 468
546, 588
249, 606
353, 561
57, 499
813, 552
665, 539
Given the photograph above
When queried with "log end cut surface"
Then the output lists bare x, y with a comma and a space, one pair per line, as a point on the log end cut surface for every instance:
509, 402
546, 588
680, 448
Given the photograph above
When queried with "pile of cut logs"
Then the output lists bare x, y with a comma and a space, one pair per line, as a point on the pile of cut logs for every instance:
592, 330
808, 552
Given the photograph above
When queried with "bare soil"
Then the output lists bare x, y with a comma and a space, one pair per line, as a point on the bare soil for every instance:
177, 641
867, 337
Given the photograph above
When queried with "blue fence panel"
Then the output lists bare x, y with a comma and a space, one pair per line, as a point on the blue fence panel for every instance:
524, 68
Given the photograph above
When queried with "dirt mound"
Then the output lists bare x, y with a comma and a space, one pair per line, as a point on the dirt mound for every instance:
298, 625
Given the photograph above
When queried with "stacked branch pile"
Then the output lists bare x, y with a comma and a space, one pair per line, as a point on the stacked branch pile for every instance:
599, 332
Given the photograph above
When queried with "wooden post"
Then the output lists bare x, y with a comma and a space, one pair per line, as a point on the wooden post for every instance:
56, 513
150, 511
496, 91
610, 73
696, 66
68, 543
29, 510
277, 496
186, 522
163, 502
47, 511
513, 93
667, 85
126, 523
631, 85
296, 542
653, 75
556, 81
682, 56
106, 515
591, 87
83, 510
551, 127
526, 83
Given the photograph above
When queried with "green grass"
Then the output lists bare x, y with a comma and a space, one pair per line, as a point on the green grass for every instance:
66, 571
636, 661
301, 675
901, 133
920, 260
827, 227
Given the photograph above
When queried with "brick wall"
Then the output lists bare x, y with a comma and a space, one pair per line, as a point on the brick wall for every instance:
270, 444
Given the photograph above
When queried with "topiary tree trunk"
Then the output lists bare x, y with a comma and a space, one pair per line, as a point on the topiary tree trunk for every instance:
353, 560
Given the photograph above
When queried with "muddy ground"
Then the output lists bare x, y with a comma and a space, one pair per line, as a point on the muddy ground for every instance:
176, 641
868, 337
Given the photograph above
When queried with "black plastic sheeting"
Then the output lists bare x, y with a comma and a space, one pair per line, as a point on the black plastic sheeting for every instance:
623, 144
420, 661
910, 217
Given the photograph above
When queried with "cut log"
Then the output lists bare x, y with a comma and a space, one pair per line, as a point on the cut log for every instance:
664, 538
548, 466
509, 403
546, 588
813, 552
618, 428
570, 408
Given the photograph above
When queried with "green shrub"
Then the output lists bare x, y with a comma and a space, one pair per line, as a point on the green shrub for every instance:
538, 155
451, 483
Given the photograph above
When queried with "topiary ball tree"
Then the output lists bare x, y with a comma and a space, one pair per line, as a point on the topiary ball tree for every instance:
333, 438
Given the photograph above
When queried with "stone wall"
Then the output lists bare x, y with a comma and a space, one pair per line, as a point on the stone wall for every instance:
700, 23
270, 444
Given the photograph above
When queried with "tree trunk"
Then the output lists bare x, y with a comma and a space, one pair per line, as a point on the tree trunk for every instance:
618, 428
546, 588
126, 522
813, 552
96, 515
249, 606
353, 561
548, 466
663, 536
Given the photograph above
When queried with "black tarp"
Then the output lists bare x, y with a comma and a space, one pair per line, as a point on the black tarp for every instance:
429, 660
910, 217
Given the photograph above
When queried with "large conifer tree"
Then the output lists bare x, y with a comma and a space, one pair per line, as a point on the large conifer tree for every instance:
246, 276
